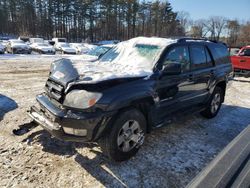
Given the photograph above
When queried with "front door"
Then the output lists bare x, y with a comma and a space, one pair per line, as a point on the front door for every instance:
174, 91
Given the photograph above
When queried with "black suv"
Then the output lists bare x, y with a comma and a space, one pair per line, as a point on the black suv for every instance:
141, 84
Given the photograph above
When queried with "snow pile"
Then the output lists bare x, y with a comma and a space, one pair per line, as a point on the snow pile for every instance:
132, 58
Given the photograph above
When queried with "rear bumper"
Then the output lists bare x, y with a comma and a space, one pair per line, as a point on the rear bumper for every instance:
54, 119
243, 72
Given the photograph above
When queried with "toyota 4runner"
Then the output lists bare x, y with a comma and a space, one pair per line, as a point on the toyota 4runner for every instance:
139, 85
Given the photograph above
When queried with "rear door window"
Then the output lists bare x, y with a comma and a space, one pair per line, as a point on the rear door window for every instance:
200, 57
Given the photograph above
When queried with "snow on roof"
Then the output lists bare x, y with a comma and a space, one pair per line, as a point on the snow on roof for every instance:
109, 45
163, 42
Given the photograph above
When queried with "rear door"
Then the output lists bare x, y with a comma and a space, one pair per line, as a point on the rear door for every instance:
202, 72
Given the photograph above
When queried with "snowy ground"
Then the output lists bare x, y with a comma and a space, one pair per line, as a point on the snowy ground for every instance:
170, 157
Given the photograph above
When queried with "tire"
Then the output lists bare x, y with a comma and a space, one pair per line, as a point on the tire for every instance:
214, 104
118, 143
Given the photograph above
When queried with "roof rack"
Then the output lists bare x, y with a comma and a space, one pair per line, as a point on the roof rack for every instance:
185, 39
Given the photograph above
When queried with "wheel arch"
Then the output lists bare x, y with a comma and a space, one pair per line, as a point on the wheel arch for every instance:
222, 85
143, 105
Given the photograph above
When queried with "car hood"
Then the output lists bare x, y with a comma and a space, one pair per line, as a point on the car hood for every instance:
68, 49
66, 71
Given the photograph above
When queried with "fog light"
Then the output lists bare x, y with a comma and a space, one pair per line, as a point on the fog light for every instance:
77, 132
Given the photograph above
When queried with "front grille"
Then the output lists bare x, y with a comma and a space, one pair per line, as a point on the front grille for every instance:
55, 90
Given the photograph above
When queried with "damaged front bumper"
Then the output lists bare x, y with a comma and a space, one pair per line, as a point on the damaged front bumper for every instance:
68, 125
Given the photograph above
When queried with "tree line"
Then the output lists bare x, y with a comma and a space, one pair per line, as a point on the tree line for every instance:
97, 20
230, 31
92, 19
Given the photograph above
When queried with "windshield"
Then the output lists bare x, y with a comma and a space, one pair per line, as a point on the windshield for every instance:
137, 54
62, 40
98, 51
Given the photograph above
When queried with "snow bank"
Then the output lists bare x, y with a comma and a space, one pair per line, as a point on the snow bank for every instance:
34, 57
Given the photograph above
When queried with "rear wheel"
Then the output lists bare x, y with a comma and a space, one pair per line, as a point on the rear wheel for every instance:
125, 137
214, 103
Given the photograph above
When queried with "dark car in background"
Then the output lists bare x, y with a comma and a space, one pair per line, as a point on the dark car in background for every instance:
135, 87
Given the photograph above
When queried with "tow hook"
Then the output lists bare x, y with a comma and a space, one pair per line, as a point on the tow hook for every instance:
24, 128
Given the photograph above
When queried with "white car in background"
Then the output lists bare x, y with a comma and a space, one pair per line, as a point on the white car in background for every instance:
43, 48
64, 48
15, 46
2, 48
36, 40
58, 40
4, 42
80, 48
93, 54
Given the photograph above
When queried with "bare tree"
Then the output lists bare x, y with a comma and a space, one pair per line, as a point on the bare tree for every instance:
215, 26
233, 28
198, 29
244, 37
184, 19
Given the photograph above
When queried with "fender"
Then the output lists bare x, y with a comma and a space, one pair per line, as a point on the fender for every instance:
143, 90
223, 74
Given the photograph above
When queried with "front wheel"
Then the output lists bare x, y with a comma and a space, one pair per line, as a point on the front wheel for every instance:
125, 137
214, 103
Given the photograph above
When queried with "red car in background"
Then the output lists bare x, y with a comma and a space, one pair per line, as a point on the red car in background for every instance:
241, 62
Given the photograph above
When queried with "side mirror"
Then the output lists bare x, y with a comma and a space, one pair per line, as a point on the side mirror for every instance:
172, 69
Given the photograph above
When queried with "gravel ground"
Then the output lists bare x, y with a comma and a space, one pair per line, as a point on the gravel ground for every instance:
170, 157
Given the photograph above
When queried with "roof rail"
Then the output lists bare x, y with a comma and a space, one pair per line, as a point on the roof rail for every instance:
185, 39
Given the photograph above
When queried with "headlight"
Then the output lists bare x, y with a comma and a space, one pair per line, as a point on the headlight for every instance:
81, 99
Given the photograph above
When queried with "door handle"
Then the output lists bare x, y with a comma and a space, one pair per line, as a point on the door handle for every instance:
212, 72
242, 60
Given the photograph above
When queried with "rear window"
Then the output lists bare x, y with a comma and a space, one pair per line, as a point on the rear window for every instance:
220, 54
